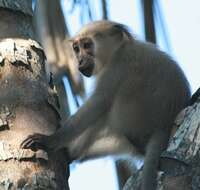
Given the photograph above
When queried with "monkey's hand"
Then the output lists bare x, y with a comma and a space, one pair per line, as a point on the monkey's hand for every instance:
37, 141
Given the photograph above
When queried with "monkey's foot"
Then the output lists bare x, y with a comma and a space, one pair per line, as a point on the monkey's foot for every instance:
35, 142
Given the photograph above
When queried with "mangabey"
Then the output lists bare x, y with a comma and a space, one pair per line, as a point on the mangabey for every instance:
139, 92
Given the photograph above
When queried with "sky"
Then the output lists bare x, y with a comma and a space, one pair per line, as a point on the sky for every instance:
183, 22
182, 26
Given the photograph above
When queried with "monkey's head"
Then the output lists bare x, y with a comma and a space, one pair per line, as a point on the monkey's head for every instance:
96, 43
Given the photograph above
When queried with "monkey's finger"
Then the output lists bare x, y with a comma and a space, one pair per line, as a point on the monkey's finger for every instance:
30, 140
24, 142
33, 145
27, 143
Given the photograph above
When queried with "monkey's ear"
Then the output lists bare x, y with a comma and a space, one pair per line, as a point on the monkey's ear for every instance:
115, 32
123, 31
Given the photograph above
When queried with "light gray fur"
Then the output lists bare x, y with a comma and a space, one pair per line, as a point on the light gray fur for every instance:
139, 92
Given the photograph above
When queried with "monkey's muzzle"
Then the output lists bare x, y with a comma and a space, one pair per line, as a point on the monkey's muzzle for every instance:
86, 67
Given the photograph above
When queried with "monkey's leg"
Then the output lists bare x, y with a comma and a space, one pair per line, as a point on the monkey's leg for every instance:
157, 143
109, 144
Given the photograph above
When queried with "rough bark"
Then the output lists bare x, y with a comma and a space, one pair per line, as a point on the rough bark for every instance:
27, 105
124, 169
179, 165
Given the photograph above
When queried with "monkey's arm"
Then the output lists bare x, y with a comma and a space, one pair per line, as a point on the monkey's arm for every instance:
94, 107
97, 105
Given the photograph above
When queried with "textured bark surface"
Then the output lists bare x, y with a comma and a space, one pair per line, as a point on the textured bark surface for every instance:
124, 168
18, 5
15, 24
27, 105
179, 166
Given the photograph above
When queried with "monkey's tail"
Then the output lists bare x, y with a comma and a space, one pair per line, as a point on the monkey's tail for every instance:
157, 143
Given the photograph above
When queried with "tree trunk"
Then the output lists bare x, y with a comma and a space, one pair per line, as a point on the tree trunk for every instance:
27, 105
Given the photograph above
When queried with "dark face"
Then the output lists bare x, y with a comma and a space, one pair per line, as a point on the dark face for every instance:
84, 51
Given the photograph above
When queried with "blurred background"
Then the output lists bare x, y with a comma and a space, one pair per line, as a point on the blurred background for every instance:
173, 25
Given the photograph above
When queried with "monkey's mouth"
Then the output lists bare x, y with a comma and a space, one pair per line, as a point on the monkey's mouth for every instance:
86, 69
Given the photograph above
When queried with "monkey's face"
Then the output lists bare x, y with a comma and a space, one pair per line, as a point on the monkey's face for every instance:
95, 45
84, 52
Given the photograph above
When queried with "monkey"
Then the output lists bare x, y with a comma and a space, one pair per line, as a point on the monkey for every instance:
139, 91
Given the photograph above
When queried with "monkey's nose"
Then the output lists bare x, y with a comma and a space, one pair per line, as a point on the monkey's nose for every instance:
81, 62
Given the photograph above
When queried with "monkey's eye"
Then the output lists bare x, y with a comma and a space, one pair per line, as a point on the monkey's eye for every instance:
87, 45
76, 48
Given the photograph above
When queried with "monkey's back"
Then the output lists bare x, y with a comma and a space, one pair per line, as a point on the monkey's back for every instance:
154, 89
